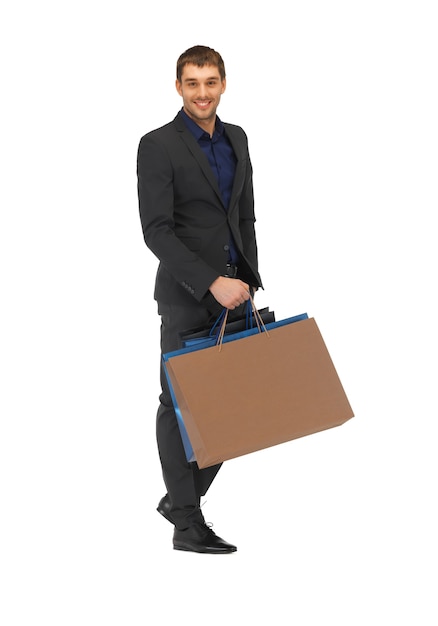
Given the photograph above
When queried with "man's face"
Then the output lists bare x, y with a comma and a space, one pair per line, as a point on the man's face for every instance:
201, 89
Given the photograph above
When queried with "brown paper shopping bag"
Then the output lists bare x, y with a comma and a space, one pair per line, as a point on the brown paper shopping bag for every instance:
257, 391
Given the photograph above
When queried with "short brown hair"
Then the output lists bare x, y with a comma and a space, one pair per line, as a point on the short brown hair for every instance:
200, 56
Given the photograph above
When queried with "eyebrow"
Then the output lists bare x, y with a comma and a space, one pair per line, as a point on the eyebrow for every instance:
188, 80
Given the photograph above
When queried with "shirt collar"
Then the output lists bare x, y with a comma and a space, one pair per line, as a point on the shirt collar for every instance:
199, 132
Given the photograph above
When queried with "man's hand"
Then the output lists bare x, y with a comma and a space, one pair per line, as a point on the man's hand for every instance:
229, 292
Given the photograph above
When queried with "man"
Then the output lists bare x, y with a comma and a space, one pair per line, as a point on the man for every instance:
197, 214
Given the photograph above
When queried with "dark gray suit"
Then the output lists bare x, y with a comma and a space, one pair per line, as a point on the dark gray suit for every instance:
187, 227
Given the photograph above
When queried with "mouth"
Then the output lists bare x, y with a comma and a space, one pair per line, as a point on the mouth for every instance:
202, 104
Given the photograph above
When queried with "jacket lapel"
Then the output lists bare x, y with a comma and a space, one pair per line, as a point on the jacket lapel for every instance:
239, 176
198, 155
203, 163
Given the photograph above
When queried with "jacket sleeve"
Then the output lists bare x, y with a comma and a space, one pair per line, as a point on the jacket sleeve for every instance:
247, 220
246, 224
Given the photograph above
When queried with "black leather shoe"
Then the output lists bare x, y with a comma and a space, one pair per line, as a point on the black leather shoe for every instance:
164, 508
200, 538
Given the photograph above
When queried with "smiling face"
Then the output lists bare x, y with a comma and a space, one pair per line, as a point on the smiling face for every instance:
201, 89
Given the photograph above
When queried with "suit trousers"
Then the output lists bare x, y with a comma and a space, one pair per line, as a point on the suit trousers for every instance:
185, 482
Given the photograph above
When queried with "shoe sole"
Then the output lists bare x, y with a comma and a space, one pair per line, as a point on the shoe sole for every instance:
201, 550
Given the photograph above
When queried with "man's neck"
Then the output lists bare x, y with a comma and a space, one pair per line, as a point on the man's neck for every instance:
207, 125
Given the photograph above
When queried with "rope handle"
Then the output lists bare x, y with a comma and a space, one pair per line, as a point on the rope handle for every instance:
258, 318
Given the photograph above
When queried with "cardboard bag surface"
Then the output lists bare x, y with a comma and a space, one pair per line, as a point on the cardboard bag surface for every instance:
257, 391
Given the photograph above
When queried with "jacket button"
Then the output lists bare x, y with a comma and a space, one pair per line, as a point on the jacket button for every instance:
226, 247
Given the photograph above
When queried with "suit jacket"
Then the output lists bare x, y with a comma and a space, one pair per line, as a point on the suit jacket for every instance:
184, 220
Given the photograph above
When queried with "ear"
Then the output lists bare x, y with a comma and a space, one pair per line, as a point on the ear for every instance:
178, 87
224, 85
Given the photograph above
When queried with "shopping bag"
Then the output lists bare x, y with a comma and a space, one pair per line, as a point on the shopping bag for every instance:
256, 390
206, 336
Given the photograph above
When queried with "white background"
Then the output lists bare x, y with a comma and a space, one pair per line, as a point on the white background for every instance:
339, 100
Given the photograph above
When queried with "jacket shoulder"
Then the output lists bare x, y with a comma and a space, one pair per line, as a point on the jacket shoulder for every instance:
235, 130
160, 134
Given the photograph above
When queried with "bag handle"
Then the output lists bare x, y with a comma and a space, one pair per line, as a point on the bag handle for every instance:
254, 312
258, 318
